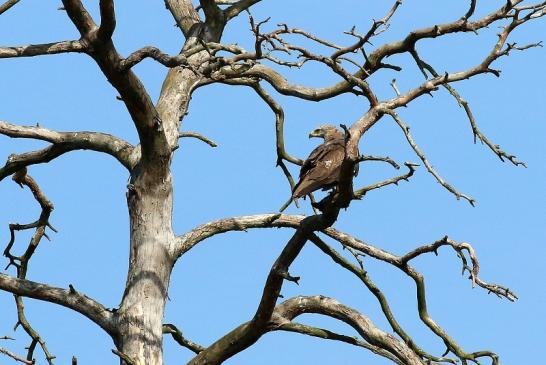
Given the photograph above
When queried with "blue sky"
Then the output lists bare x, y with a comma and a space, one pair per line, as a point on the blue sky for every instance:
217, 285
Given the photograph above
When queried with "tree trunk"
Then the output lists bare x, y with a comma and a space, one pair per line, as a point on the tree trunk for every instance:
140, 316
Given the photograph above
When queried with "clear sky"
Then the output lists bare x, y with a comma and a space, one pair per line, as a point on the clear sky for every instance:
217, 285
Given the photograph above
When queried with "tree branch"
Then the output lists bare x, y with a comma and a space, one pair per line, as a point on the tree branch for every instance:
199, 137
329, 335
239, 7
72, 299
180, 339
15, 356
154, 145
7, 5
213, 14
358, 194
365, 278
408, 45
405, 128
184, 13
243, 337
79, 16
43, 49
21, 287
63, 142
107, 19
16, 162
281, 85
195, 236
22, 262
385, 344
464, 104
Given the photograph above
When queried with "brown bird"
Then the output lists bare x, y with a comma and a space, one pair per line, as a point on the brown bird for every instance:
321, 169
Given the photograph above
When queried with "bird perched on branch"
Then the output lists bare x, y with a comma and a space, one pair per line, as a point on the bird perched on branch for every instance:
321, 169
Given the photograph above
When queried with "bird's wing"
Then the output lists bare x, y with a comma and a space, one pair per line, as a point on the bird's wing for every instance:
318, 154
321, 169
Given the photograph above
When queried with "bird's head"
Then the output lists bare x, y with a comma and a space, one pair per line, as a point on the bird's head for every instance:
326, 132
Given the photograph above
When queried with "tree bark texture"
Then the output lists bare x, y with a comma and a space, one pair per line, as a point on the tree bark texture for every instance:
140, 316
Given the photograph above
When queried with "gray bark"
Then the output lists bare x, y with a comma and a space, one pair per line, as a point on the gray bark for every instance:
140, 316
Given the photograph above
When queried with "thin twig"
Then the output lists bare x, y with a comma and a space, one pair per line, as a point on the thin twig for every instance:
197, 136
180, 339
421, 155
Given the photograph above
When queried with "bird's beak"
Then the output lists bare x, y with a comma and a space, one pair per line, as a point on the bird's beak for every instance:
313, 134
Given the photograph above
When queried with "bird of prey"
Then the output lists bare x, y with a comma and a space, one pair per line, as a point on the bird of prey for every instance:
321, 169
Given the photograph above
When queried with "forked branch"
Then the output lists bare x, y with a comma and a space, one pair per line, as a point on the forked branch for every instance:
358, 247
21, 287
62, 142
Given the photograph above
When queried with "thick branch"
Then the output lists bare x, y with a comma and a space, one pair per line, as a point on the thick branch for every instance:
79, 16
63, 142
243, 337
184, 13
72, 299
42, 49
15, 162
408, 45
155, 148
107, 19
213, 13
199, 234
239, 7
7, 5
284, 87
379, 340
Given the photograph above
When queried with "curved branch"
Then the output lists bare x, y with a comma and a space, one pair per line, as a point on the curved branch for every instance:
180, 339
154, 53
7, 5
282, 86
248, 333
381, 341
16, 162
408, 45
199, 137
63, 142
151, 132
363, 276
464, 104
329, 335
187, 241
68, 298
395, 180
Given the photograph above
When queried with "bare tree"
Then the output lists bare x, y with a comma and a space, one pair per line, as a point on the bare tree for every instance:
137, 326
